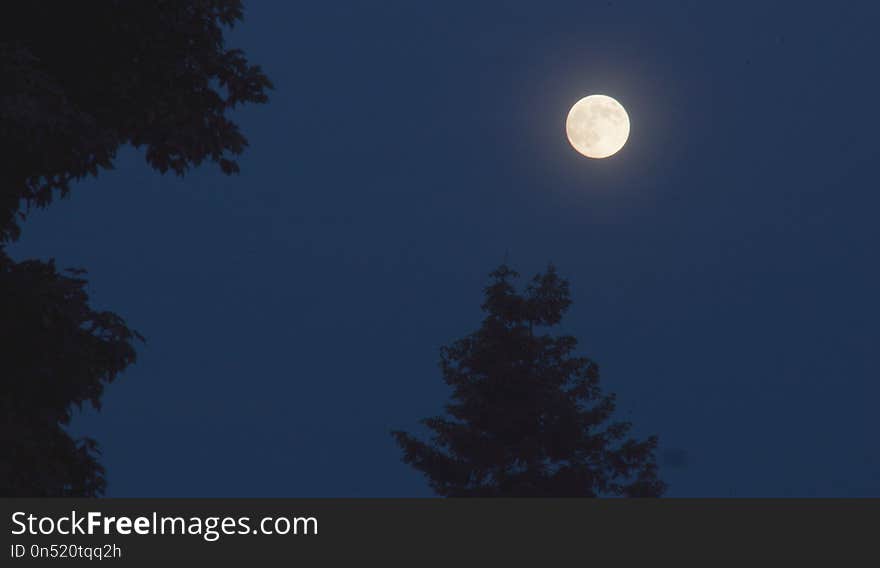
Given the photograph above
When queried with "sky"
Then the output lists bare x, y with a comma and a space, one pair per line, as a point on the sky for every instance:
722, 265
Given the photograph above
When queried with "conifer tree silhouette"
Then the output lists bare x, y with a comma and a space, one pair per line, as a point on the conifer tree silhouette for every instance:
527, 417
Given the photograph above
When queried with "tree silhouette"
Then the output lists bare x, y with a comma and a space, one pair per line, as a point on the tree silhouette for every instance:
527, 416
57, 353
80, 79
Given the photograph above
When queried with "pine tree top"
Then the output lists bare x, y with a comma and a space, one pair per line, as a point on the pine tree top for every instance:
527, 416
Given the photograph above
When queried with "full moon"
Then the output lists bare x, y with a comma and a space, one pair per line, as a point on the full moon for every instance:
597, 126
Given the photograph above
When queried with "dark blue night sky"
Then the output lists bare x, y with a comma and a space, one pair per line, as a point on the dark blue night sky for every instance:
723, 264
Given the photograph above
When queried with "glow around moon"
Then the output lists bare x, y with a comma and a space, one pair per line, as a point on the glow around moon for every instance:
597, 126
